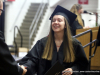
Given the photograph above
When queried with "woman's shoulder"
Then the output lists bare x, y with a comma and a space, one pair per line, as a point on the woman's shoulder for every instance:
75, 41
77, 45
43, 40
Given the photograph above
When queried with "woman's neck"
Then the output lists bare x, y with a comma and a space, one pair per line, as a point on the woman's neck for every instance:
59, 36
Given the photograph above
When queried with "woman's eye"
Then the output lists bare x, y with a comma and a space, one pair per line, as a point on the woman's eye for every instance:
53, 20
59, 20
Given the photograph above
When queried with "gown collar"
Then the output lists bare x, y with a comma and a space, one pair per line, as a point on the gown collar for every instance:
57, 56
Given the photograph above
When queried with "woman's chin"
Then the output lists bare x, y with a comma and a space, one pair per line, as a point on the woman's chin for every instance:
56, 31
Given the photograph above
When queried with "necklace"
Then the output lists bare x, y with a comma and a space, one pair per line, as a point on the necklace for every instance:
58, 46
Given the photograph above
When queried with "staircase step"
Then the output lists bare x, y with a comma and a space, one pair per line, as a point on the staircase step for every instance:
32, 10
24, 30
27, 17
25, 45
24, 34
19, 40
25, 27
30, 16
32, 7
24, 42
29, 20
35, 4
24, 38
36, 7
31, 13
26, 23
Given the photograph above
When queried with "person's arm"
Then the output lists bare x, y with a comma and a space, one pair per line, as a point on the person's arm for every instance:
31, 60
86, 27
7, 62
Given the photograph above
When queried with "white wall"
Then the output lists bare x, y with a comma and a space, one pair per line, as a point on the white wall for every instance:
89, 20
53, 2
14, 15
11, 13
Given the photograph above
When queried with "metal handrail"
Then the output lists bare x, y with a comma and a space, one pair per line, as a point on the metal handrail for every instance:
38, 16
35, 16
18, 15
16, 51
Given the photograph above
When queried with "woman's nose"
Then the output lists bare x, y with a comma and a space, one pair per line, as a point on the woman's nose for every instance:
56, 21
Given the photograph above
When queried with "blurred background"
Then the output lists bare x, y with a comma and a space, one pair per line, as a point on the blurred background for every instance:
26, 21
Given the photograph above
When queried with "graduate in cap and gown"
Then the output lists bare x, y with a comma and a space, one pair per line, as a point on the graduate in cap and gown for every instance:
58, 46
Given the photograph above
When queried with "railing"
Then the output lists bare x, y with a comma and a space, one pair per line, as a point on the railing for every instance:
88, 31
35, 21
16, 47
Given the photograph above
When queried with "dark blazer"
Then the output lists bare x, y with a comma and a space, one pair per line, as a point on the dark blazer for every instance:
8, 66
35, 64
75, 26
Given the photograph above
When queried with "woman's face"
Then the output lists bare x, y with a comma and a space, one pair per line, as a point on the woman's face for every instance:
80, 11
58, 23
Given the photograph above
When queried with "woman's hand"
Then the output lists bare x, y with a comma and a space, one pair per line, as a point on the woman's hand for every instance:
24, 69
67, 71
86, 27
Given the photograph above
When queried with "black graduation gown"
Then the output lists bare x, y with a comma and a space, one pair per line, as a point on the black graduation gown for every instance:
35, 64
75, 26
8, 66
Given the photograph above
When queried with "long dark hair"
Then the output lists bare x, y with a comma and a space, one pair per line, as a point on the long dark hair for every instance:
69, 55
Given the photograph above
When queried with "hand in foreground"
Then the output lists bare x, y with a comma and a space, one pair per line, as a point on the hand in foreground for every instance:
24, 69
67, 71
86, 27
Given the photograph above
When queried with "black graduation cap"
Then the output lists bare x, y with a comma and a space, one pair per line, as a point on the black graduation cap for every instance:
64, 12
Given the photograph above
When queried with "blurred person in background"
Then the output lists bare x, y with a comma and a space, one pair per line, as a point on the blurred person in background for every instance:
8, 66
79, 22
